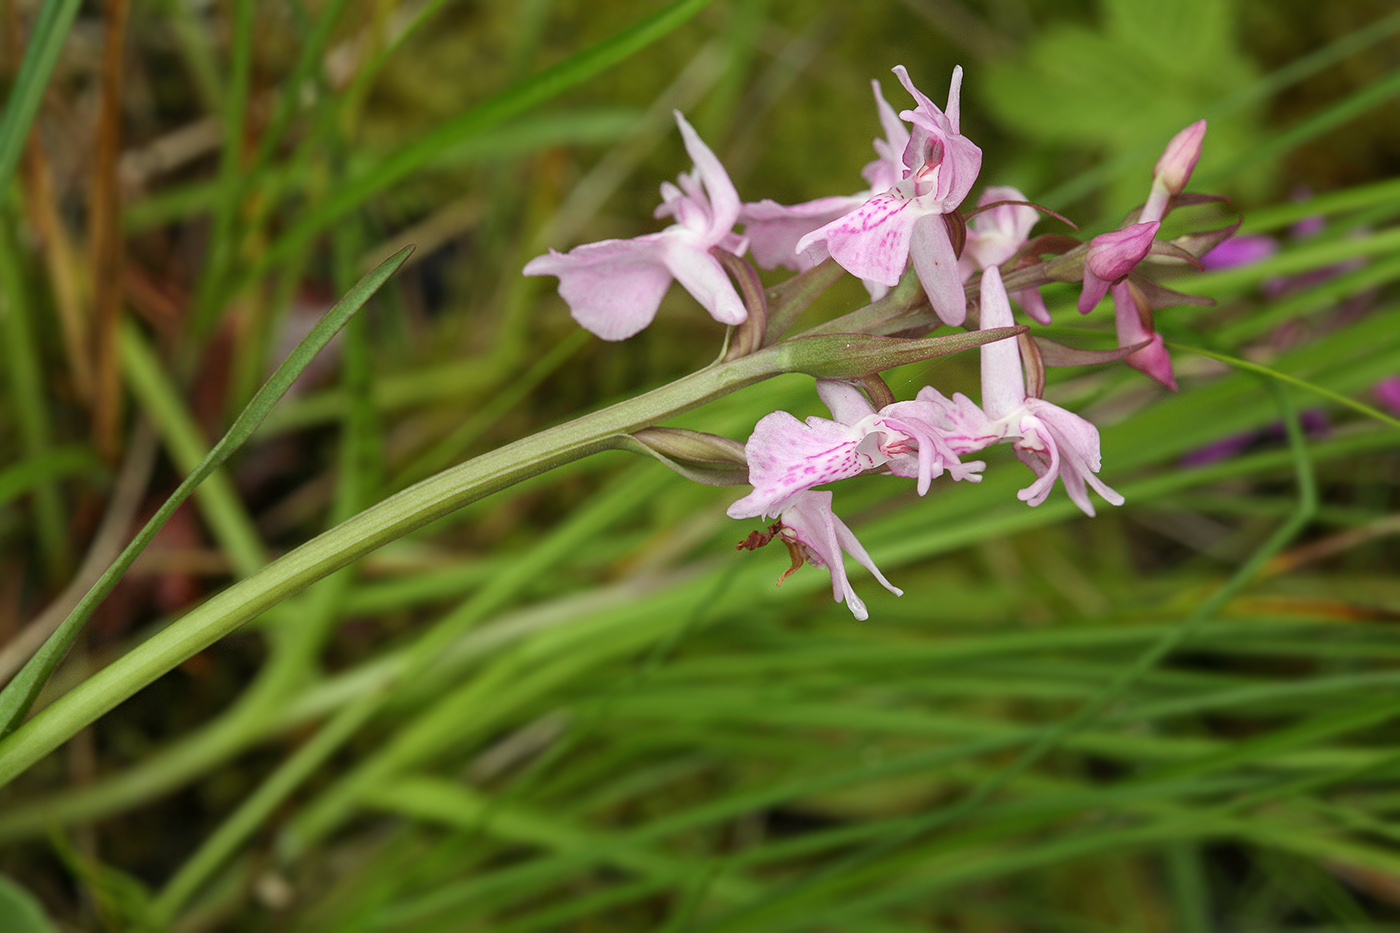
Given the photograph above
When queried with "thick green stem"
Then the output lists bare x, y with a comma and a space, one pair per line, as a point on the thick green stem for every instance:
393, 518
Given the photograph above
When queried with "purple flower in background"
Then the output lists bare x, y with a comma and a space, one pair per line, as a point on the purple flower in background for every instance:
1387, 393
1240, 250
613, 288
1313, 420
876, 240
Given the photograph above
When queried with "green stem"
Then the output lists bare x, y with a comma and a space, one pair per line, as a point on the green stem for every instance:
390, 519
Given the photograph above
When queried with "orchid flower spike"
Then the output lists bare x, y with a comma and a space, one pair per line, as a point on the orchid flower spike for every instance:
876, 240
613, 288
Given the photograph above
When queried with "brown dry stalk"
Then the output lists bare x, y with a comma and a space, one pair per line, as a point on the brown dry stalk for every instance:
105, 220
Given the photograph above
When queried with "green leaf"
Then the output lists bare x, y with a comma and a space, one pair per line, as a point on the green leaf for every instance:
20, 911
1185, 37
1128, 86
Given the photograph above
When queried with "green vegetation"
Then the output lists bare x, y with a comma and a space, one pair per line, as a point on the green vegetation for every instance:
573, 705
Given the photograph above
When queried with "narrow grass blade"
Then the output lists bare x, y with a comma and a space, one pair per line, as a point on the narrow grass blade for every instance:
45, 42
20, 693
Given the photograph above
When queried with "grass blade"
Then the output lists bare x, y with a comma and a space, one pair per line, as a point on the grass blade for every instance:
20, 693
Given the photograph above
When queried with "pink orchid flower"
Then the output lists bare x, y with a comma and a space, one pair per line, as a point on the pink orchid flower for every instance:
997, 234
774, 229
821, 537
613, 288
1051, 441
787, 456
875, 241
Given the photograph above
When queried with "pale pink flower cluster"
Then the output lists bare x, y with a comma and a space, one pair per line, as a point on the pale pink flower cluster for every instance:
909, 213
922, 439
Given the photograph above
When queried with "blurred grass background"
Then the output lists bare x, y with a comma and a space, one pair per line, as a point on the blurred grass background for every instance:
1179, 716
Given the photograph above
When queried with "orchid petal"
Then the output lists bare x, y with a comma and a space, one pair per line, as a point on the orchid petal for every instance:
774, 229
1132, 324
847, 404
787, 456
954, 90
996, 234
872, 241
724, 200
920, 98
823, 536
937, 266
702, 275
1111, 257
1033, 304
1179, 159
613, 288
1003, 379
886, 171
1059, 444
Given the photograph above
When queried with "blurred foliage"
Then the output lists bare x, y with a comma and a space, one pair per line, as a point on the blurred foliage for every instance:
1145, 72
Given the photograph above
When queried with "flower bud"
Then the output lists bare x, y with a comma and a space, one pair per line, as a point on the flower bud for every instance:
1179, 160
1111, 257
1114, 255
704, 458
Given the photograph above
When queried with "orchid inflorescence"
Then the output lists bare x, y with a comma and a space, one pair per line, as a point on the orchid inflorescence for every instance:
976, 261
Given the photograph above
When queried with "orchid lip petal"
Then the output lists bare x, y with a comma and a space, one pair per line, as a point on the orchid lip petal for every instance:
872, 241
810, 522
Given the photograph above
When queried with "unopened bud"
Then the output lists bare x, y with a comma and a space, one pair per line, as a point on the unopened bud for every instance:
1179, 160
704, 458
1112, 256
